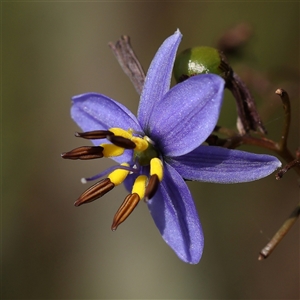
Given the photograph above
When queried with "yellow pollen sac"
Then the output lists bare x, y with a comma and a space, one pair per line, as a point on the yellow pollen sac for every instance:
141, 144
119, 175
121, 132
156, 168
139, 186
110, 150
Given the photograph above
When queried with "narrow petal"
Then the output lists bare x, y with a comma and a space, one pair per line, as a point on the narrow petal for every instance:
221, 165
187, 114
175, 215
93, 111
158, 78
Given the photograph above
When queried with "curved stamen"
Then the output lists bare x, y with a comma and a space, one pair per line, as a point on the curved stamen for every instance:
107, 171
111, 150
156, 176
94, 135
127, 207
156, 167
141, 144
84, 152
121, 132
139, 186
152, 187
121, 142
95, 191
131, 201
118, 176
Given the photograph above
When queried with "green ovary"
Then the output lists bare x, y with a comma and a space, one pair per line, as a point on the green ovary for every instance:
144, 157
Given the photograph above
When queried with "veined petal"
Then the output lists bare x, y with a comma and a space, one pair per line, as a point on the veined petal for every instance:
158, 78
175, 215
187, 114
221, 165
94, 111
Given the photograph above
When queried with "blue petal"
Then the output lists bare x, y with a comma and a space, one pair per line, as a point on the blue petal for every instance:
93, 111
175, 215
158, 78
221, 165
187, 114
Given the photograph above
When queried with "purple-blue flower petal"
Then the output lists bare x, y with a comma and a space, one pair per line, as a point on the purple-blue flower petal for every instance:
94, 111
221, 165
187, 114
158, 78
175, 215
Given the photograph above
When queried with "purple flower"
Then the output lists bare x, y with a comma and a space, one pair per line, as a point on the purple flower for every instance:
161, 148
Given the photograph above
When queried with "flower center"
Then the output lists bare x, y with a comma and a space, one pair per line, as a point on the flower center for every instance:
144, 157
144, 154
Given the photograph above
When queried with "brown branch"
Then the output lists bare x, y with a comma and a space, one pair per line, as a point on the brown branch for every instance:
129, 62
286, 226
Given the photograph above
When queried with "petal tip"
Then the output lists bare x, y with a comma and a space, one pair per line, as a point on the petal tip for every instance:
178, 32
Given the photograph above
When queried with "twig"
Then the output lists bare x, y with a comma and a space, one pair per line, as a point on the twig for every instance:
128, 61
292, 164
286, 226
287, 120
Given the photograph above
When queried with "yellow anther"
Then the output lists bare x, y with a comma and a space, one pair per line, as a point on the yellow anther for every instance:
139, 186
121, 132
119, 175
156, 167
110, 150
141, 144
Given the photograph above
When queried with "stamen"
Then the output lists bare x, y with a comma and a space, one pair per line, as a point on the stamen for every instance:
111, 150
84, 152
141, 144
93, 135
125, 210
139, 186
108, 171
121, 132
121, 142
118, 176
95, 191
156, 176
156, 167
152, 187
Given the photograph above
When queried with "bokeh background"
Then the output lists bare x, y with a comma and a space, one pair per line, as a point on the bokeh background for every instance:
52, 250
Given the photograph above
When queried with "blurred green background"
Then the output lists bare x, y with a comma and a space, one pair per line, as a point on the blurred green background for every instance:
52, 250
